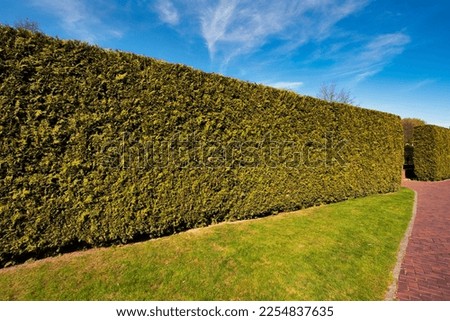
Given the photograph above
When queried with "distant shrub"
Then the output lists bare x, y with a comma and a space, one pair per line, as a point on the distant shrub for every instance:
100, 147
28, 25
431, 153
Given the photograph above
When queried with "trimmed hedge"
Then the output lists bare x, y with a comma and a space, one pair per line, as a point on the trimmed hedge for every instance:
431, 153
100, 147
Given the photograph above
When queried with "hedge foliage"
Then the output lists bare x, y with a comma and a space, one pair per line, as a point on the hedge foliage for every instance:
85, 133
431, 153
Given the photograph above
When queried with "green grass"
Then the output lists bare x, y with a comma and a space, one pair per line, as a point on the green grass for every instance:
343, 251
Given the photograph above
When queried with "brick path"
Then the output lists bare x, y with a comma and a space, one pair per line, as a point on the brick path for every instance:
425, 270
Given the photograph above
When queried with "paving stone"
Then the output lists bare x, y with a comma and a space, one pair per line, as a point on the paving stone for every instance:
425, 271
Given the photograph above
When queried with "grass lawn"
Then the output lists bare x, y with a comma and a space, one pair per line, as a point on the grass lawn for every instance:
343, 251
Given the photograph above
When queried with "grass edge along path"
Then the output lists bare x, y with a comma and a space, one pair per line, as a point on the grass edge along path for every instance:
342, 251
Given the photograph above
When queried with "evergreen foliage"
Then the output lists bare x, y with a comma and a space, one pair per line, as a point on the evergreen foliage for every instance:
101, 147
431, 153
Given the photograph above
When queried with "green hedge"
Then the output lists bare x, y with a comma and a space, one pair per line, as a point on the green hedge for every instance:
431, 152
100, 147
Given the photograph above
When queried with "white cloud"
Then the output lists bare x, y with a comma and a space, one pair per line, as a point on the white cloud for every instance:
215, 23
291, 85
231, 28
420, 84
235, 27
167, 12
79, 18
385, 46
375, 55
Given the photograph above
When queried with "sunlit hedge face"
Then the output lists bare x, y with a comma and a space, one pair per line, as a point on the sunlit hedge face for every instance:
100, 147
431, 153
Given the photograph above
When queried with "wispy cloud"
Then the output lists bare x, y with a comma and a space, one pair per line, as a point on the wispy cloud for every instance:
385, 46
239, 27
420, 84
79, 18
291, 85
167, 12
374, 56
215, 23
231, 28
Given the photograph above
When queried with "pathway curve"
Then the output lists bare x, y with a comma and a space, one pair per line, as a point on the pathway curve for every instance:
425, 270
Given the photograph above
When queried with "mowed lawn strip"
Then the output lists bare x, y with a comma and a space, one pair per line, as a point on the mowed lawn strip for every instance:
343, 251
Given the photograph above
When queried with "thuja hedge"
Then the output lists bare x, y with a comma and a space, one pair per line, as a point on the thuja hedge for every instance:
431, 152
101, 147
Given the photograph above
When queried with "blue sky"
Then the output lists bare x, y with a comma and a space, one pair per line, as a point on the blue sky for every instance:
392, 55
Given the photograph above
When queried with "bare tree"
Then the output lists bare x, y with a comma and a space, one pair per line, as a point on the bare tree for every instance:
28, 25
329, 92
408, 128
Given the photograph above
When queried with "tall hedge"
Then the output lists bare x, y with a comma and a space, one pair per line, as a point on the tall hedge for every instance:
100, 147
431, 152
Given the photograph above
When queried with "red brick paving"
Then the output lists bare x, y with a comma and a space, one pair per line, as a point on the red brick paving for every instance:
425, 270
